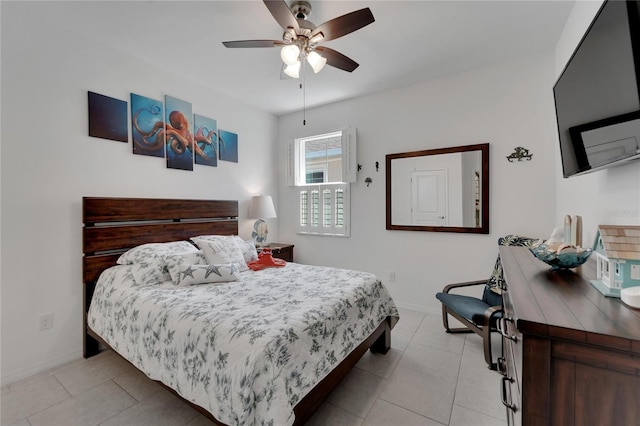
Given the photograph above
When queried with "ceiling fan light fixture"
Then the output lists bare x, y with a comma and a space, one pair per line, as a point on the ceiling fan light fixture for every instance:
316, 61
290, 54
293, 70
316, 38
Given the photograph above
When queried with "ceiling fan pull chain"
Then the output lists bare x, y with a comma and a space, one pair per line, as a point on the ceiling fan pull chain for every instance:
303, 86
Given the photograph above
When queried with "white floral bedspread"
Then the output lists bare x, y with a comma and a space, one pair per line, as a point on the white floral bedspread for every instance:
246, 351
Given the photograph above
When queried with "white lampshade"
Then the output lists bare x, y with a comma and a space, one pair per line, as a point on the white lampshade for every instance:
316, 61
293, 70
262, 207
289, 54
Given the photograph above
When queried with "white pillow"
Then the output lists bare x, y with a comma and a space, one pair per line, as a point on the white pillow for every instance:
205, 274
149, 267
248, 249
150, 273
210, 237
117, 276
222, 250
145, 252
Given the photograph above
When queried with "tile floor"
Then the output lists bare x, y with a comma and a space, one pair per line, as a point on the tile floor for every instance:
428, 378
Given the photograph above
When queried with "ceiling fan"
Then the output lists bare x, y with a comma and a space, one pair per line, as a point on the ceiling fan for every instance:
301, 37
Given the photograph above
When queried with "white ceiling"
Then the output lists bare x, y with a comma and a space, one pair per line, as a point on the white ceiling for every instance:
410, 41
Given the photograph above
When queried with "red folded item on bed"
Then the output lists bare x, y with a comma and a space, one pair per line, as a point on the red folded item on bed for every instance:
266, 260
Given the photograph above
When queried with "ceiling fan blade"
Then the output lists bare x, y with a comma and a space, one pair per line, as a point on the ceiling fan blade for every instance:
253, 43
282, 14
344, 24
337, 59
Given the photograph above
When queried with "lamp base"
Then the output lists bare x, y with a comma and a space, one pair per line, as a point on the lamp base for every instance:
260, 233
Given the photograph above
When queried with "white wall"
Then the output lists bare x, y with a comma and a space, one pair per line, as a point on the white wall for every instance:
607, 197
508, 105
49, 163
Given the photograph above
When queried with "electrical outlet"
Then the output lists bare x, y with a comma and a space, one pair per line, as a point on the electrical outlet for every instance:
45, 321
392, 276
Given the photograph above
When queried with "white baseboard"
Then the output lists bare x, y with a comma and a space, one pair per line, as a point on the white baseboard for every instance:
14, 376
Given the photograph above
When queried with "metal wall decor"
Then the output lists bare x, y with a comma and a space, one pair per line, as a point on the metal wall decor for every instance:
519, 154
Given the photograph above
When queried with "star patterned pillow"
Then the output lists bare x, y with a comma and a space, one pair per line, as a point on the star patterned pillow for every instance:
205, 274
192, 268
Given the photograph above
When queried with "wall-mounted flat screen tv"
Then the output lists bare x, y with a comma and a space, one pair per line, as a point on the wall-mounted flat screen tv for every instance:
597, 95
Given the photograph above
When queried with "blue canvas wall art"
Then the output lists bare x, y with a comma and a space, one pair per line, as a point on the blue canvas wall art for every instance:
107, 117
147, 126
228, 146
179, 138
205, 140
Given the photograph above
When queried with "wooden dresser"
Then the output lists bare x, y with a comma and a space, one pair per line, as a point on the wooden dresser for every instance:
571, 356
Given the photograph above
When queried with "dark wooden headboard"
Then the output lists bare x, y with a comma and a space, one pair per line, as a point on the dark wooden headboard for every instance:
111, 226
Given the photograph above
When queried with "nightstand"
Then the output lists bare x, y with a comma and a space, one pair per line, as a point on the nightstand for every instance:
280, 250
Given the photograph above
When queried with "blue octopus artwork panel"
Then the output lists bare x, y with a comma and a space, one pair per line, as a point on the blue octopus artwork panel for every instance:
228, 146
178, 131
107, 117
147, 126
205, 140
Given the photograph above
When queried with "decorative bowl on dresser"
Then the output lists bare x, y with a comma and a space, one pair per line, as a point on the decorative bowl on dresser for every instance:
571, 356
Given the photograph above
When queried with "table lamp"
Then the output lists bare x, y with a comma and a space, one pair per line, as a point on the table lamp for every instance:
261, 208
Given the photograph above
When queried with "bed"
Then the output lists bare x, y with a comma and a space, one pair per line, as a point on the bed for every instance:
265, 348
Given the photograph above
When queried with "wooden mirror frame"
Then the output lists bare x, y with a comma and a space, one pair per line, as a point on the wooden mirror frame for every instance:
484, 190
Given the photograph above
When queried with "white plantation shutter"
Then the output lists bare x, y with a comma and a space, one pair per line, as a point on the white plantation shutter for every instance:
304, 209
322, 210
339, 208
314, 207
327, 208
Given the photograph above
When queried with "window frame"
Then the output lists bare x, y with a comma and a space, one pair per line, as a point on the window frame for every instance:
296, 176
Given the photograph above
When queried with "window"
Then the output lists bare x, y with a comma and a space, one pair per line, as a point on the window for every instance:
322, 167
314, 176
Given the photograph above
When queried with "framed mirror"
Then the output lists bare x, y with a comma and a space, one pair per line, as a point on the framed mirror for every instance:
439, 190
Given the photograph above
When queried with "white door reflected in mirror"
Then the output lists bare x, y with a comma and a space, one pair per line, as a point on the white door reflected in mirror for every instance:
429, 197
